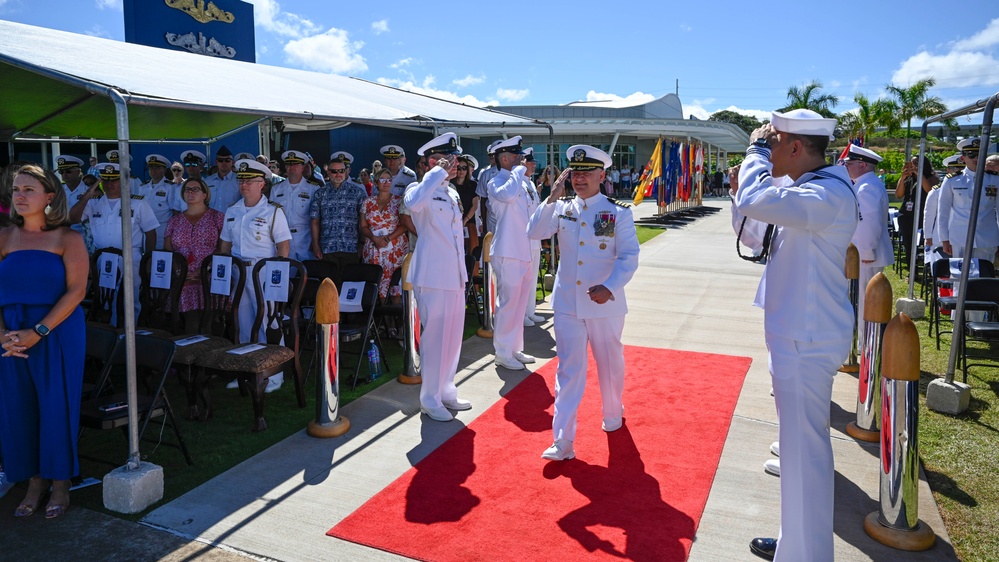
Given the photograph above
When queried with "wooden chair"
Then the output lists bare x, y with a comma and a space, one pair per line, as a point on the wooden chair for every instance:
160, 311
252, 369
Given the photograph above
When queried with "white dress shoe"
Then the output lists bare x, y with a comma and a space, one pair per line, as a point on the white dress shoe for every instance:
612, 425
772, 466
535, 318
523, 357
274, 383
437, 414
775, 448
233, 384
509, 363
528, 322
457, 404
561, 450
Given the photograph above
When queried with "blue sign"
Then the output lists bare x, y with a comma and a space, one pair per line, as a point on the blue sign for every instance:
218, 28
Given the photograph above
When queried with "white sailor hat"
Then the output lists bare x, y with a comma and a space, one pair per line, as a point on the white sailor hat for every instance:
972, 143
245, 156
157, 160
294, 157
863, 154
342, 156
392, 151
248, 168
953, 161
583, 157
444, 144
491, 149
66, 162
109, 170
803, 122
113, 156
192, 156
473, 164
511, 145
529, 154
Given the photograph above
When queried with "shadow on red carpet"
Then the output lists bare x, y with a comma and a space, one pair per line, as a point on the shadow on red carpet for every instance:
636, 494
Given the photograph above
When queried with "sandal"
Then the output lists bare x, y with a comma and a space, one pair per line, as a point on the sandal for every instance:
54, 511
27, 510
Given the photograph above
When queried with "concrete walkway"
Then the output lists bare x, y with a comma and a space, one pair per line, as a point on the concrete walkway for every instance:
279, 504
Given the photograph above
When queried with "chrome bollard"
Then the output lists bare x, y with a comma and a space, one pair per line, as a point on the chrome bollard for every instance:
852, 272
411, 330
488, 290
328, 422
877, 313
897, 523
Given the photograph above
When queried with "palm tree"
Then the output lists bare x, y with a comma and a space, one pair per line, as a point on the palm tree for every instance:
808, 97
914, 101
868, 117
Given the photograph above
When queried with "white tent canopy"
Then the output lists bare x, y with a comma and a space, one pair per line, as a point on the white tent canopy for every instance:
55, 84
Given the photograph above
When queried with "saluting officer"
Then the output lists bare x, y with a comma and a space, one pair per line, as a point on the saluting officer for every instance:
871, 238
70, 168
133, 182
104, 214
295, 196
395, 160
954, 211
438, 275
222, 183
254, 229
482, 190
531, 317
599, 257
512, 200
160, 194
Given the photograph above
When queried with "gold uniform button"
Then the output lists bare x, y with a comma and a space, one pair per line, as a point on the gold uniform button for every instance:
581, 243
582, 224
579, 282
580, 263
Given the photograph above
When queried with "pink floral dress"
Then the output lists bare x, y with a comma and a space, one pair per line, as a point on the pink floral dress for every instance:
383, 222
196, 241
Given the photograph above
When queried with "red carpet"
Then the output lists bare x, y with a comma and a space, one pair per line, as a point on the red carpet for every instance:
636, 494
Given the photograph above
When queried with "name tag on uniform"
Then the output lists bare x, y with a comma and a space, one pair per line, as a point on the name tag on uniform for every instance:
304, 195
441, 199
161, 193
95, 216
230, 219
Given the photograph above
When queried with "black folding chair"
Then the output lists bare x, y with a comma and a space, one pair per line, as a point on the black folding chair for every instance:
360, 326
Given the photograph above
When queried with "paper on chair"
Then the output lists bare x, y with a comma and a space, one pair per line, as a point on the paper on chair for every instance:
246, 349
190, 340
161, 268
351, 295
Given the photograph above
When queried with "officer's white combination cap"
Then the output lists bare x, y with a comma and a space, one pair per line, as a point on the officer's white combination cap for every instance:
803, 122
342, 156
444, 144
65, 162
473, 164
953, 160
113, 156
392, 151
584, 157
245, 156
109, 170
863, 154
491, 149
157, 160
192, 156
294, 157
250, 168
512, 145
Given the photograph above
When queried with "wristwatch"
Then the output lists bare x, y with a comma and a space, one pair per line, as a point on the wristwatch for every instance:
42, 330
761, 143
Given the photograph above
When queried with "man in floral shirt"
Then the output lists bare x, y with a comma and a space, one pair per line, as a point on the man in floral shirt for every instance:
335, 213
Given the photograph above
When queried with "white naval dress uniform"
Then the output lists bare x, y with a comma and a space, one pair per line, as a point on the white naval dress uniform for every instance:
930, 218
296, 199
872, 240
809, 328
599, 246
401, 181
532, 289
954, 211
254, 233
482, 190
73, 197
224, 190
104, 215
161, 199
438, 275
512, 201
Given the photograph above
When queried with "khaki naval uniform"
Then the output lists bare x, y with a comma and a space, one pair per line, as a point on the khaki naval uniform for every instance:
254, 233
296, 200
599, 246
954, 214
871, 238
161, 198
809, 328
512, 201
438, 275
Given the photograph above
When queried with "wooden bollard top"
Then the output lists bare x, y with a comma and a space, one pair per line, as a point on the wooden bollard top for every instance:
487, 241
900, 350
852, 268
406, 285
878, 300
327, 303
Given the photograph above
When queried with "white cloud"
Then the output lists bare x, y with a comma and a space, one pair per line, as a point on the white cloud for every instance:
981, 40
957, 69
833, 84
469, 80
332, 51
401, 63
109, 5
614, 100
97, 30
509, 94
380, 26
426, 88
268, 15
685, 28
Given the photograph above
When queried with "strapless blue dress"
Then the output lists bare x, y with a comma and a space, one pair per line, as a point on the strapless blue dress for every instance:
40, 395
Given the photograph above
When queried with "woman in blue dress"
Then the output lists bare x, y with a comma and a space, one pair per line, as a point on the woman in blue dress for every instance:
43, 277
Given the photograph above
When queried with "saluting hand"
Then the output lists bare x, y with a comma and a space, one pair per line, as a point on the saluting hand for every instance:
558, 186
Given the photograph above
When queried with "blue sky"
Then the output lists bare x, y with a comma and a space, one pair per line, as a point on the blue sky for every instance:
725, 54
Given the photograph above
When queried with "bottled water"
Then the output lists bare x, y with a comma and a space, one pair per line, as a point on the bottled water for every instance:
374, 361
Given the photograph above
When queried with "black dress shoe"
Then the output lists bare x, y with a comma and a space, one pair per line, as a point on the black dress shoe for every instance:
764, 548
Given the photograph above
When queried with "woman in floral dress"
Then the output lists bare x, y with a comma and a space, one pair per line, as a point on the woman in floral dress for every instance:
385, 240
